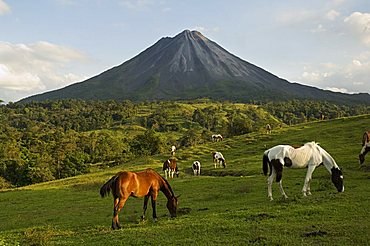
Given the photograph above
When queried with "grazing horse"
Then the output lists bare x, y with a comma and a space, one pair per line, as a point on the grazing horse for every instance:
196, 168
138, 184
219, 159
217, 137
310, 155
365, 146
173, 150
170, 168
268, 129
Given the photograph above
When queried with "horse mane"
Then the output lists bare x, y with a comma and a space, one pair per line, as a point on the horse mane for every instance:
311, 144
168, 185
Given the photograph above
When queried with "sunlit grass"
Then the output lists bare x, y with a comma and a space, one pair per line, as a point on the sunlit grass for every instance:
221, 207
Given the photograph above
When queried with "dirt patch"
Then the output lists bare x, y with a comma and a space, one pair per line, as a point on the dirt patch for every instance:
318, 233
183, 211
259, 217
258, 240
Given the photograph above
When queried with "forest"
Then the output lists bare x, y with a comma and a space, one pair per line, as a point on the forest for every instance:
43, 141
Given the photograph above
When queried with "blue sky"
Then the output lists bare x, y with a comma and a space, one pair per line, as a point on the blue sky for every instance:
48, 44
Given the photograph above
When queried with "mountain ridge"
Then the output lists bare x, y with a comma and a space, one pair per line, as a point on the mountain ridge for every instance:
190, 66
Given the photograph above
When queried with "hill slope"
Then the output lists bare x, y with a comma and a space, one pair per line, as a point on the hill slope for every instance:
231, 210
190, 66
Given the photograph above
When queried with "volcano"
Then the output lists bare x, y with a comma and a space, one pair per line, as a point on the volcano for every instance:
190, 66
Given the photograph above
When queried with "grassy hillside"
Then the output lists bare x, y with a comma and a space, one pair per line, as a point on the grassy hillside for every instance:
221, 207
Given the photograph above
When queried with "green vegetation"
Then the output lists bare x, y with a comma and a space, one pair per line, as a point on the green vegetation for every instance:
52, 140
221, 207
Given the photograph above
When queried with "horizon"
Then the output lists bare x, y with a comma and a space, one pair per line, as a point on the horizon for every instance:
319, 45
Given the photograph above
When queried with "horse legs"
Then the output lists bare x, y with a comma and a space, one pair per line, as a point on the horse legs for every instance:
146, 198
270, 179
306, 187
282, 190
154, 205
118, 205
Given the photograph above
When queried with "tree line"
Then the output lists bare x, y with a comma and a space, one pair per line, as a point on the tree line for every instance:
43, 141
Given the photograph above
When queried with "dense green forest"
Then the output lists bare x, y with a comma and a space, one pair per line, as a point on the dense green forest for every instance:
51, 140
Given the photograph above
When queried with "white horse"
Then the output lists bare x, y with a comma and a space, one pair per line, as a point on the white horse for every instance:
365, 146
219, 159
196, 168
310, 155
173, 150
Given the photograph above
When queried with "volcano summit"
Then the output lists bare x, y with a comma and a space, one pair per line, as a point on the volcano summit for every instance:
190, 66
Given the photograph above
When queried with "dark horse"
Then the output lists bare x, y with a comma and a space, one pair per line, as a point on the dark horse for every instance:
138, 184
365, 147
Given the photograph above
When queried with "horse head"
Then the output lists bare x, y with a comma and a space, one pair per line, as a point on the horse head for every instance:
337, 179
172, 205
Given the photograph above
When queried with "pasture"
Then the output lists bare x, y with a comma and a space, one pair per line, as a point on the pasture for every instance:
220, 207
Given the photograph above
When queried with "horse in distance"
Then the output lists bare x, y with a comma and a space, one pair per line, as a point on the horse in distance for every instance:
170, 168
218, 159
145, 184
196, 168
365, 147
217, 137
268, 129
310, 155
173, 150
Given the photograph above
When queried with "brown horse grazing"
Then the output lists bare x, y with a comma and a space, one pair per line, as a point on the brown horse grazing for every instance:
365, 146
138, 184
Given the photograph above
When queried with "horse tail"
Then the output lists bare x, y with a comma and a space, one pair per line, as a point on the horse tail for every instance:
265, 163
108, 186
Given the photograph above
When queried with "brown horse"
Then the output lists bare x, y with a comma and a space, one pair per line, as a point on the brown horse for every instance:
138, 184
365, 146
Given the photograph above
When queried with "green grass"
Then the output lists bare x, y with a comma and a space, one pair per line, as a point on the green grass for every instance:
222, 207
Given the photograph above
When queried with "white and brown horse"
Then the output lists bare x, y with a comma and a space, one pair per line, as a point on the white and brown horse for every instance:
218, 159
170, 168
196, 168
310, 155
217, 137
365, 146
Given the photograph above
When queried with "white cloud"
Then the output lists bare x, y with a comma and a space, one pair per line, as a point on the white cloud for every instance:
335, 89
320, 28
351, 76
4, 8
32, 68
359, 25
297, 16
136, 4
332, 15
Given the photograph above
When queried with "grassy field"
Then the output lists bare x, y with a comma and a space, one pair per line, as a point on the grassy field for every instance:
221, 207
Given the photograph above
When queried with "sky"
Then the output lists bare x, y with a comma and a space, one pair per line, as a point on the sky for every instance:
49, 44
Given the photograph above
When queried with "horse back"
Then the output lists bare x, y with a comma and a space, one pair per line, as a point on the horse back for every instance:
138, 184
